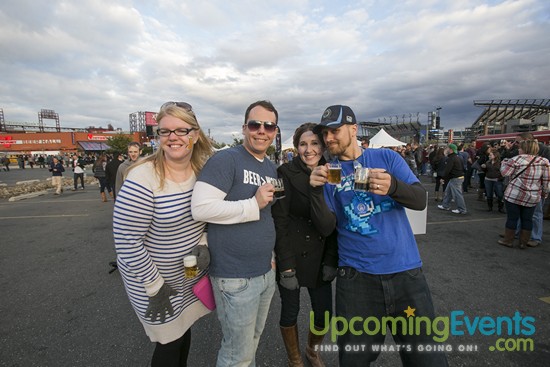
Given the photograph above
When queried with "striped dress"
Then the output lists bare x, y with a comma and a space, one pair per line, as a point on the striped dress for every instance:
153, 232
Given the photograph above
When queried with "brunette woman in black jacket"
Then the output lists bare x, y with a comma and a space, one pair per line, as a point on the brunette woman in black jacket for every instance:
306, 255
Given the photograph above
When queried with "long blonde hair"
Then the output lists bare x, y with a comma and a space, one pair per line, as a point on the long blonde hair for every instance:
202, 148
530, 147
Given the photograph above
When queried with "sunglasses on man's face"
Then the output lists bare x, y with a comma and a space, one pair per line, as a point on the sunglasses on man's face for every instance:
254, 125
186, 106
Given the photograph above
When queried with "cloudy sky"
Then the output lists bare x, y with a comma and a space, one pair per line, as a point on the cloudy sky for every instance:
96, 61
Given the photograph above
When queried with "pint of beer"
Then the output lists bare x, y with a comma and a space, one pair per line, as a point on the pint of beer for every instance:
334, 173
361, 179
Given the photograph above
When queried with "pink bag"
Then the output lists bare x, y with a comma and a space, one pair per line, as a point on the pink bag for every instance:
203, 291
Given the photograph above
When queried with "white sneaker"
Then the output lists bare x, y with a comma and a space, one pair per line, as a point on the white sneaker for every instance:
442, 207
456, 211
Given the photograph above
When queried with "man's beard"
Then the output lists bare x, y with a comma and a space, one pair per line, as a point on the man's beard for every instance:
338, 149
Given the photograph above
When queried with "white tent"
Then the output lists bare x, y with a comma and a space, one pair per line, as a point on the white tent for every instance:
287, 144
383, 139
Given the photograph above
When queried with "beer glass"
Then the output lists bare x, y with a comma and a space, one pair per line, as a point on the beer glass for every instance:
190, 264
279, 187
361, 179
334, 173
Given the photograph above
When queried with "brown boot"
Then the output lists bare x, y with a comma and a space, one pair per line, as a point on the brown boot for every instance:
524, 237
508, 239
292, 346
312, 353
103, 197
111, 195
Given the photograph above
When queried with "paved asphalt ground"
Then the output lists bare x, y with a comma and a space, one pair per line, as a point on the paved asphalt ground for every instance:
59, 306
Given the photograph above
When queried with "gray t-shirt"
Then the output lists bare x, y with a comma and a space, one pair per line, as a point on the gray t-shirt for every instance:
240, 250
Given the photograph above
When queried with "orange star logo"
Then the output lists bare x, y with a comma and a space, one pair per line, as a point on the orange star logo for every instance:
410, 311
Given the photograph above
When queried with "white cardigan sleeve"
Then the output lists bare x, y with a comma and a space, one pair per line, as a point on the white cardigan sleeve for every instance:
208, 204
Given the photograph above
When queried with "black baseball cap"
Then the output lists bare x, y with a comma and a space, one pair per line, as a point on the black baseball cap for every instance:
334, 117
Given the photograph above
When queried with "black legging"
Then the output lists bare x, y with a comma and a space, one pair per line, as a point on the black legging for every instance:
481, 180
321, 302
173, 354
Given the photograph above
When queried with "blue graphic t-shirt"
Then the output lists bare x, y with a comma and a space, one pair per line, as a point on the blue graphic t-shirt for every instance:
241, 250
374, 234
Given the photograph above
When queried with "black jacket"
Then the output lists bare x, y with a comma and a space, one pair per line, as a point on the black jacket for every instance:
111, 169
454, 167
300, 243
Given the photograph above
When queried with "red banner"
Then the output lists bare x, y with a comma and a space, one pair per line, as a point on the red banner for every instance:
150, 119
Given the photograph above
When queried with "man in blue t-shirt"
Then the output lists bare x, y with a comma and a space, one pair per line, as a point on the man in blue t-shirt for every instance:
234, 196
380, 271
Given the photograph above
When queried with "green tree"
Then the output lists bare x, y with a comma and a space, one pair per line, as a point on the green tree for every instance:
237, 141
118, 143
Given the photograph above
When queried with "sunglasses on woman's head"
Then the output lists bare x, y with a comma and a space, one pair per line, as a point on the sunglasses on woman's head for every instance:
186, 106
254, 125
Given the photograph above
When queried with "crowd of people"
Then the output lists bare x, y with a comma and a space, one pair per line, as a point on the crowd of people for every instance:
513, 174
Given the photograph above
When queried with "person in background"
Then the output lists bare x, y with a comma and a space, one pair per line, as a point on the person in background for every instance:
289, 155
233, 194
6, 163
41, 161
493, 180
111, 172
57, 169
154, 230
538, 215
365, 142
454, 176
529, 178
134, 152
439, 162
78, 172
481, 157
380, 270
21, 161
99, 172
469, 172
465, 158
306, 253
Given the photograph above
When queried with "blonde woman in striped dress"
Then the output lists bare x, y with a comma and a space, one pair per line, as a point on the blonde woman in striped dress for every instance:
154, 230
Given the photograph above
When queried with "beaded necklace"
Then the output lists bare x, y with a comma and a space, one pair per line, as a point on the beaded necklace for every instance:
356, 163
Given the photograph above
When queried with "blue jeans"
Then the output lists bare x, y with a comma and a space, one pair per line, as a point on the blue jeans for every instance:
537, 219
242, 305
494, 187
366, 295
454, 191
523, 214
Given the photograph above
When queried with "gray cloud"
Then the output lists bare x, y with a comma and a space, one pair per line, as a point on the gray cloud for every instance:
95, 62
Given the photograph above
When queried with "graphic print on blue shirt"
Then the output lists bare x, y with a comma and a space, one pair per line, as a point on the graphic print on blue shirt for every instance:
361, 208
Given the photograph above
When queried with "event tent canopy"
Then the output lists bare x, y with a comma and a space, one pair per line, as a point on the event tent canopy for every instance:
383, 139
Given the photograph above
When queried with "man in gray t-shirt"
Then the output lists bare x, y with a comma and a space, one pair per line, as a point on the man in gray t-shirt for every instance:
234, 196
